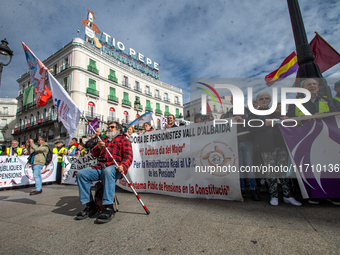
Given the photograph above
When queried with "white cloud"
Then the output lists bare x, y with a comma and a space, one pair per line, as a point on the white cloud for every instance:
229, 39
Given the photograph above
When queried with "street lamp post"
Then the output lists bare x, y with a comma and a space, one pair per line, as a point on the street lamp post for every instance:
137, 105
307, 67
5, 55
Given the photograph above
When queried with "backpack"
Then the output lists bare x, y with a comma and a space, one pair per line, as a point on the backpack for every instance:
48, 157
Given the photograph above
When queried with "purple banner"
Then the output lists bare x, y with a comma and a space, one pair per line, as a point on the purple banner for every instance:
315, 149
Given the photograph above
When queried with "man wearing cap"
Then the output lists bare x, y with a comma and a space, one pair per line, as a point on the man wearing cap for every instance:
60, 150
336, 99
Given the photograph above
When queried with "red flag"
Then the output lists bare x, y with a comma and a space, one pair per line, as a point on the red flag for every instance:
47, 94
325, 55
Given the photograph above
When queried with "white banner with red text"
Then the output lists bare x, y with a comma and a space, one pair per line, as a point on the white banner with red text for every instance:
14, 171
200, 161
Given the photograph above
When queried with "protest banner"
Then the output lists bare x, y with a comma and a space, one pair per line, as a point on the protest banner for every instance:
74, 164
314, 147
196, 162
14, 171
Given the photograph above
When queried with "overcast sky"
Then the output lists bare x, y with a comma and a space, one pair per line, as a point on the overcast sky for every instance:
189, 39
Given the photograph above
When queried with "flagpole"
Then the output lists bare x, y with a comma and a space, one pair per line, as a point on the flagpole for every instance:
124, 176
307, 67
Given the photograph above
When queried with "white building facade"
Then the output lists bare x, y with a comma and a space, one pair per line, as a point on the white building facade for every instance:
194, 107
102, 86
8, 110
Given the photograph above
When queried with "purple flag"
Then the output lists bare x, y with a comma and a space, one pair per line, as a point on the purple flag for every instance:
95, 124
315, 149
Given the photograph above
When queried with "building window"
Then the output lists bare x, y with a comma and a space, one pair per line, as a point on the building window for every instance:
5, 110
177, 113
158, 108
92, 66
91, 108
140, 107
112, 76
65, 64
166, 97
147, 90
126, 81
126, 99
112, 95
176, 100
112, 114
166, 113
137, 86
157, 95
37, 115
92, 88
125, 117
55, 67
65, 83
148, 106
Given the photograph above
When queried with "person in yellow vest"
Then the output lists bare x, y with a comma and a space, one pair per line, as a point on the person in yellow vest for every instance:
60, 150
14, 150
336, 99
317, 104
81, 150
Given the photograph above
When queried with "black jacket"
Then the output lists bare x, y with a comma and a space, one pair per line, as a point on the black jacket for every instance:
266, 139
91, 143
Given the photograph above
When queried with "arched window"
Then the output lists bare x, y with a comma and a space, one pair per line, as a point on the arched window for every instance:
25, 121
37, 116
51, 113
44, 115
112, 114
31, 119
91, 108
126, 117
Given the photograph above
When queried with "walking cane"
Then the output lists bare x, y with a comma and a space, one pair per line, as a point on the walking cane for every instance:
124, 176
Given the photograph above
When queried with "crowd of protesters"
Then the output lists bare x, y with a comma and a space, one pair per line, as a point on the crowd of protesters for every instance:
261, 145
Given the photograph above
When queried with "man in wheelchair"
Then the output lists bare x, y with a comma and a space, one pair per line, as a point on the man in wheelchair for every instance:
120, 148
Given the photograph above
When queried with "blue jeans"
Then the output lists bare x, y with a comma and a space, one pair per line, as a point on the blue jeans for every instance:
245, 156
87, 175
37, 176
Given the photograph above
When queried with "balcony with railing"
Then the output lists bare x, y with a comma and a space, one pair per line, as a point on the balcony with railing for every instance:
148, 93
126, 102
138, 89
35, 123
158, 96
166, 99
125, 121
92, 69
92, 91
93, 115
112, 78
166, 113
177, 102
112, 118
64, 67
112, 98
126, 84
148, 108
159, 111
